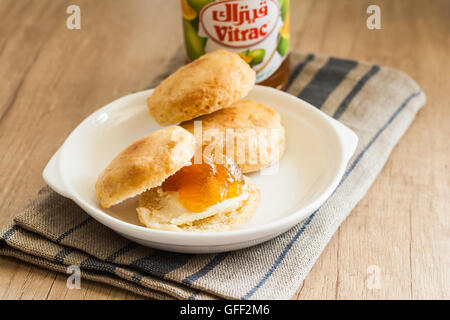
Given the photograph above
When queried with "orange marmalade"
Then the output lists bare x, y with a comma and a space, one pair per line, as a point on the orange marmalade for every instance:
202, 185
257, 30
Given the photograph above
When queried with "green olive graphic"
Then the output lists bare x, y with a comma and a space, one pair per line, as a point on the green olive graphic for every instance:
283, 46
195, 45
257, 56
284, 6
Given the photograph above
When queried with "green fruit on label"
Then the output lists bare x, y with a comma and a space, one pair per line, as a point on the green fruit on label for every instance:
198, 5
244, 56
284, 6
188, 12
195, 45
283, 46
195, 24
257, 56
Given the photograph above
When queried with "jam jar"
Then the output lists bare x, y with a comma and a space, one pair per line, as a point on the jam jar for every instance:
257, 30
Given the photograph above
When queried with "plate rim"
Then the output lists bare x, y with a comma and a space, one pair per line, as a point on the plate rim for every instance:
198, 238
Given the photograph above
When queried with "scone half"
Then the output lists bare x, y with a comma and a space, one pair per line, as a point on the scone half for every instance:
145, 164
160, 210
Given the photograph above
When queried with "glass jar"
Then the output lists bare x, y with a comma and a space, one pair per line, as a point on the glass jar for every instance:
258, 30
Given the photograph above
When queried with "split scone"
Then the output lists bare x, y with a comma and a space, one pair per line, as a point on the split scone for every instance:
249, 132
145, 164
177, 191
214, 81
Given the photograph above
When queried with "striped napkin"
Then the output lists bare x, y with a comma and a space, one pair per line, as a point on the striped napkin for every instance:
378, 103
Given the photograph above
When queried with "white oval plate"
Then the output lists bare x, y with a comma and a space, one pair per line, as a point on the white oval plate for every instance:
317, 152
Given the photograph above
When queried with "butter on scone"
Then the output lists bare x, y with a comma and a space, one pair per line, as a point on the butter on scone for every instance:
145, 164
214, 81
248, 131
159, 209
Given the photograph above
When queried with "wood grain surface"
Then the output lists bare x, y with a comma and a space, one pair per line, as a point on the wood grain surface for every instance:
52, 78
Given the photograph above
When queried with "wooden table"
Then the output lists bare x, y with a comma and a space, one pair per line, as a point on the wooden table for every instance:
52, 78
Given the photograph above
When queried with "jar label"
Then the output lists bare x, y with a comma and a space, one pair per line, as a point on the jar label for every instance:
258, 30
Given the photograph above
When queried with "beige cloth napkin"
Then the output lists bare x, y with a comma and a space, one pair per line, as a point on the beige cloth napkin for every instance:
378, 103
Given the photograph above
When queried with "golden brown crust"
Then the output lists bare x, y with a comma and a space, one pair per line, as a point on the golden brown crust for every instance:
253, 123
212, 82
222, 221
145, 164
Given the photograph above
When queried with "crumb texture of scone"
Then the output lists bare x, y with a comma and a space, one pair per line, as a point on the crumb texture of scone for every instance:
158, 211
214, 81
250, 130
145, 164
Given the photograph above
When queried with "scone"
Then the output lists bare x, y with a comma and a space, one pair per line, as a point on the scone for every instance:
145, 164
177, 192
214, 81
248, 131
203, 196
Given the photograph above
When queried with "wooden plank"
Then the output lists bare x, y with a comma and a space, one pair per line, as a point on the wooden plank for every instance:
402, 225
74, 73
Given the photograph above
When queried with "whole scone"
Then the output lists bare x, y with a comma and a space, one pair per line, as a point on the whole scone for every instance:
214, 81
250, 130
145, 164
